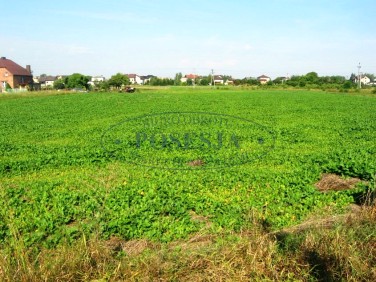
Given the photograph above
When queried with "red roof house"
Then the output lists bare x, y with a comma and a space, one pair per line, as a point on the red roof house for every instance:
13, 74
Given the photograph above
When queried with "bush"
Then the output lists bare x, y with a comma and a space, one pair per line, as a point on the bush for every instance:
347, 85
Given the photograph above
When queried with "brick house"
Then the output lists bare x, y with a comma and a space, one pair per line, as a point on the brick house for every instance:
13, 74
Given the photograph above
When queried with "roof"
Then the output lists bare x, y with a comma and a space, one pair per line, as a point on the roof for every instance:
47, 78
147, 76
191, 76
13, 68
263, 77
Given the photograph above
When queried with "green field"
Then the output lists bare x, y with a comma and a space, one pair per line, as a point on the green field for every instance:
74, 205
57, 183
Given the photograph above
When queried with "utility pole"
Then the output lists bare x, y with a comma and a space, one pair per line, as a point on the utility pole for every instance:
360, 84
212, 77
194, 77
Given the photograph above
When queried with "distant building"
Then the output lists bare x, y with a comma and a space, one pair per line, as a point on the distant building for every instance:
14, 76
218, 79
99, 78
193, 77
263, 79
96, 79
46, 81
134, 78
229, 81
363, 79
146, 78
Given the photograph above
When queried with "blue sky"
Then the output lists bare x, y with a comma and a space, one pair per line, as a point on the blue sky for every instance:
238, 38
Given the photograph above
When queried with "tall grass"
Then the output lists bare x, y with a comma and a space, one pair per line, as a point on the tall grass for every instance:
344, 252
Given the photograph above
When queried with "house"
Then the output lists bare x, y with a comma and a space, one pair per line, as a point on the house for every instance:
14, 76
46, 81
99, 78
146, 78
229, 81
281, 79
284, 78
134, 78
193, 77
96, 79
263, 79
218, 79
365, 80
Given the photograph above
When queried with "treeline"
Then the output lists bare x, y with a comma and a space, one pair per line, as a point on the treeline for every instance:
116, 82
80, 81
312, 80
309, 80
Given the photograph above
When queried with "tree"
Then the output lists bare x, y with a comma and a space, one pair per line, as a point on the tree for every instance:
77, 80
59, 84
205, 81
178, 77
251, 81
293, 81
156, 81
101, 85
353, 77
279, 80
118, 80
311, 77
348, 84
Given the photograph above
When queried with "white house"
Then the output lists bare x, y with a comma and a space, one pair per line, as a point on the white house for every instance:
146, 78
96, 79
218, 79
263, 79
229, 81
363, 80
99, 78
134, 79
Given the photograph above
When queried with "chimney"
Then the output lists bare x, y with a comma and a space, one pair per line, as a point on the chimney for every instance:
28, 68
3, 58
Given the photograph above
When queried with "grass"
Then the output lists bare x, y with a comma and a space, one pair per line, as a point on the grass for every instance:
345, 251
70, 212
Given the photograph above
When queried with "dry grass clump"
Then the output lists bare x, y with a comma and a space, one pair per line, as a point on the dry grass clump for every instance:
333, 182
344, 250
197, 162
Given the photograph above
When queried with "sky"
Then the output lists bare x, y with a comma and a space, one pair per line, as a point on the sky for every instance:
241, 38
